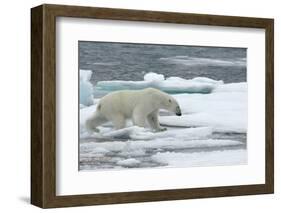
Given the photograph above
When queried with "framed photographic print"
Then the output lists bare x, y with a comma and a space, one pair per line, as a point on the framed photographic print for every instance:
136, 106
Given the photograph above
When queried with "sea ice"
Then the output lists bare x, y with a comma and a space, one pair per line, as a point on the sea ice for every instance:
160, 143
131, 162
194, 61
86, 88
170, 85
211, 158
208, 107
151, 76
224, 110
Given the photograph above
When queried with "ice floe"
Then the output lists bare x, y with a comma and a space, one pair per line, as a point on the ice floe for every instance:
159, 143
170, 85
213, 158
208, 107
131, 162
86, 88
194, 61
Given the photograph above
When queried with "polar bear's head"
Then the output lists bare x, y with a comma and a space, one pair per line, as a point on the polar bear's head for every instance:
162, 100
170, 104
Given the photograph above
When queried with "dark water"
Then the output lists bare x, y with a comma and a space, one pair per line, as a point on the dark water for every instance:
125, 61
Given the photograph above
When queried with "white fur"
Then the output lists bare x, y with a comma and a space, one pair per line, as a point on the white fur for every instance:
140, 106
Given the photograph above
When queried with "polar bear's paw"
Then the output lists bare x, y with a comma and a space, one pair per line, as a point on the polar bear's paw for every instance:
96, 130
161, 129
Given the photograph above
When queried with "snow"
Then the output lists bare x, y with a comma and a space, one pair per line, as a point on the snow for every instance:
232, 87
160, 143
184, 134
214, 158
86, 88
151, 76
214, 116
158, 81
85, 113
131, 162
130, 152
140, 133
172, 152
220, 121
224, 110
100, 150
94, 152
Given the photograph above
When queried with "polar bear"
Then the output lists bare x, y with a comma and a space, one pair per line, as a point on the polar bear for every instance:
138, 105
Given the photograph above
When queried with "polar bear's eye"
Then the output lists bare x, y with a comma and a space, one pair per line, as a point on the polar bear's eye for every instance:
170, 101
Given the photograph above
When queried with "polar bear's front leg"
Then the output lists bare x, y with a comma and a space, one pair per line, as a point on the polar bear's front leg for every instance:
138, 118
153, 121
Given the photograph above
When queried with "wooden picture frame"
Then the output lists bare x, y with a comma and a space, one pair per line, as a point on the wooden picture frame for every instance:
43, 105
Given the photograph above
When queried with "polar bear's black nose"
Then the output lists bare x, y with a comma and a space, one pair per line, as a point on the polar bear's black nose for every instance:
178, 111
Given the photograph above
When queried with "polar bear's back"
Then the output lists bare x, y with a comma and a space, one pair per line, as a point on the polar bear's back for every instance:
119, 102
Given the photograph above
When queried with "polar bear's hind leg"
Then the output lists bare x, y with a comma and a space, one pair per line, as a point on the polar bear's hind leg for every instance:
94, 121
119, 121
